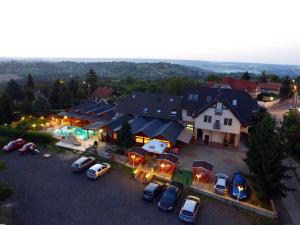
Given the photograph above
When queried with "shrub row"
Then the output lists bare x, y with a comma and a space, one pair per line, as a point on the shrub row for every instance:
40, 137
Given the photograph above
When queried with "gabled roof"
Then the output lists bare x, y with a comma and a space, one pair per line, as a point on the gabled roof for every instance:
207, 97
238, 84
153, 105
170, 157
103, 92
203, 164
270, 86
116, 124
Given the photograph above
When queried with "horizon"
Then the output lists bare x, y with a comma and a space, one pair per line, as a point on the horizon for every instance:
217, 31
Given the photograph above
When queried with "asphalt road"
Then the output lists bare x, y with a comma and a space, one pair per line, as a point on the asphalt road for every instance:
280, 109
48, 193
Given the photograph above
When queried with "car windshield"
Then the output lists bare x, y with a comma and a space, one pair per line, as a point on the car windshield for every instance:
187, 213
75, 165
169, 194
91, 171
219, 186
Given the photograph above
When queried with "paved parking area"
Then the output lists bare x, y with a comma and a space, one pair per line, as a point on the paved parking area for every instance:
225, 161
48, 193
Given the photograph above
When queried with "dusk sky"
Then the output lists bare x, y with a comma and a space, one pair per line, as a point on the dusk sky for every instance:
264, 31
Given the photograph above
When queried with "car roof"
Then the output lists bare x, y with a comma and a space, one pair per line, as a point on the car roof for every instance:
221, 181
96, 166
238, 178
80, 160
189, 205
151, 186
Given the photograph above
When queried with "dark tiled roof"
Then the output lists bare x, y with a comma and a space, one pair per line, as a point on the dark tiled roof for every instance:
82, 116
206, 97
139, 151
118, 122
203, 164
152, 128
103, 92
151, 105
170, 157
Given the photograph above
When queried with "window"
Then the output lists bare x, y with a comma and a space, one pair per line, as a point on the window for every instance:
225, 121
173, 113
189, 112
158, 110
171, 99
145, 110
228, 121
190, 98
195, 97
190, 127
234, 102
208, 98
207, 119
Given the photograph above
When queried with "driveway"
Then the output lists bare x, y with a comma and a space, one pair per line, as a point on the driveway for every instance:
48, 193
280, 109
225, 161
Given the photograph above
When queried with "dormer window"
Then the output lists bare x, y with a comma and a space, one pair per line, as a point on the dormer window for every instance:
234, 102
190, 98
173, 113
171, 99
133, 96
158, 110
195, 97
208, 98
145, 110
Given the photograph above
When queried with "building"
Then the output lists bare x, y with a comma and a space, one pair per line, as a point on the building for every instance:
233, 83
218, 116
270, 88
155, 116
102, 94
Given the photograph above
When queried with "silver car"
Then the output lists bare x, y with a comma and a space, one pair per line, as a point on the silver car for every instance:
221, 183
190, 208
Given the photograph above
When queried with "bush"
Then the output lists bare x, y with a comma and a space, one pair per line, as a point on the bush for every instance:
5, 192
40, 137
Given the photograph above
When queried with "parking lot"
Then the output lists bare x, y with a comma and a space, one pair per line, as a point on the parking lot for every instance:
48, 193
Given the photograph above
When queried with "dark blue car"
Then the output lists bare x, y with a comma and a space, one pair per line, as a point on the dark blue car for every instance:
239, 188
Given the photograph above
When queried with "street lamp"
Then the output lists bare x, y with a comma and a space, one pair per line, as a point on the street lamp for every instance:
132, 157
271, 98
198, 175
33, 125
240, 188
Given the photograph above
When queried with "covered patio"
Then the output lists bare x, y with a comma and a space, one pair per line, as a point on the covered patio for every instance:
136, 157
202, 172
166, 165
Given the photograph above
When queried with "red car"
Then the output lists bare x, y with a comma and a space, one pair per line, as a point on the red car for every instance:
14, 145
28, 148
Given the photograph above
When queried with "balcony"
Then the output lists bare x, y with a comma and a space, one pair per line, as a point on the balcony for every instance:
217, 125
218, 111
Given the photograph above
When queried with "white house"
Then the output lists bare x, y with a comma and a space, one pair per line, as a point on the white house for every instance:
218, 116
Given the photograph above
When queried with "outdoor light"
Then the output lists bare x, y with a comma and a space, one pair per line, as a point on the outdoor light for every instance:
23, 118
135, 171
147, 175
34, 125
101, 130
299, 109
132, 157
240, 188
42, 117
271, 98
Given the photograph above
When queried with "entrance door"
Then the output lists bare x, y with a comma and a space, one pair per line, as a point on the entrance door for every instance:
206, 139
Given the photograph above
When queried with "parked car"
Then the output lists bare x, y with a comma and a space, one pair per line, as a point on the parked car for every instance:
239, 188
28, 148
190, 209
14, 145
153, 191
170, 196
82, 163
221, 184
97, 170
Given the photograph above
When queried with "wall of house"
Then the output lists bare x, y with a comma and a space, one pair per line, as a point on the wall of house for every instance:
267, 91
187, 118
235, 128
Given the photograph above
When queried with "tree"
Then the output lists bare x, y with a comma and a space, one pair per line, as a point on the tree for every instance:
246, 76
14, 90
290, 131
286, 90
125, 138
29, 83
265, 160
92, 80
40, 105
263, 78
176, 85
59, 95
73, 86
6, 109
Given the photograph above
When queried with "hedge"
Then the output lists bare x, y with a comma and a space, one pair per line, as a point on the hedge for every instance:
35, 136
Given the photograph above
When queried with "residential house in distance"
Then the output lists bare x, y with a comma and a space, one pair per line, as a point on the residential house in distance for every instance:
270, 88
102, 94
218, 116
233, 83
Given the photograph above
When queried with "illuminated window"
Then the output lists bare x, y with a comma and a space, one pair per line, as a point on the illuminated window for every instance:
190, 127
139, 139
146, 140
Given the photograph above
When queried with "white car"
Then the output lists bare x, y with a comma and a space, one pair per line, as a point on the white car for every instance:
190, 208
221, 183
97, 170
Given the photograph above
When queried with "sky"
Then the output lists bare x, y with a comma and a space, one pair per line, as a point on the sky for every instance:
263, 31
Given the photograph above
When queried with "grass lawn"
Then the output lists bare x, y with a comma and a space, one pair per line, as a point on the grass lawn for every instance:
183, 176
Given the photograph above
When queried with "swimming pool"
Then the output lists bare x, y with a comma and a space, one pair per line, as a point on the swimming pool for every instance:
76, 131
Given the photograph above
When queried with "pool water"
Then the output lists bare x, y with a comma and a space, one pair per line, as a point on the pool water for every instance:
76, 131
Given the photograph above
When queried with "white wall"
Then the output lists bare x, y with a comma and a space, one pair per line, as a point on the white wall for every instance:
234, 128
187, 118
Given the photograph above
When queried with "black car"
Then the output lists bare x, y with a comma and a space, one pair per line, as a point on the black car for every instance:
153, 191
82, 163
170, 196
